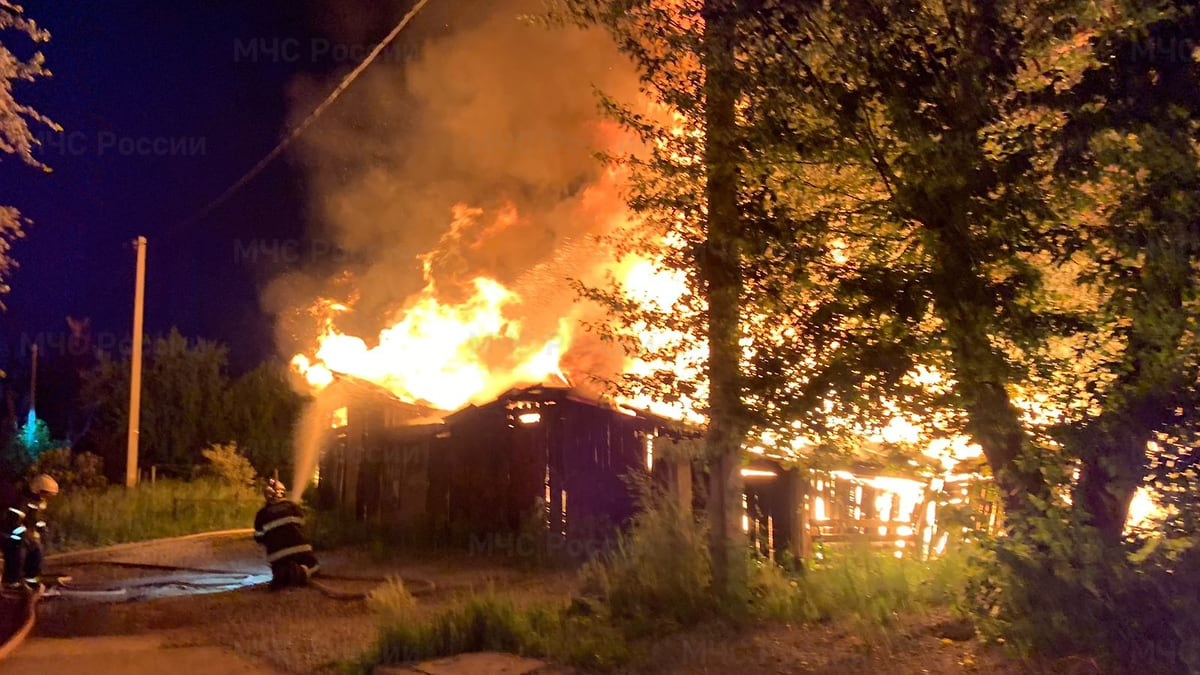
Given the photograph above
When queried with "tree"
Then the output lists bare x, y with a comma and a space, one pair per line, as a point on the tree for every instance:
15, 135
1130, 150
1004, 193
687, 56
919, 167
722, 291
265, 412
189, 403
910, 203
185, 404
1031, 170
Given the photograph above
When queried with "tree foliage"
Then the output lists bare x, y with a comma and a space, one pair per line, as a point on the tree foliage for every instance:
979, 216
16, 138
189, 403
265, 409
1129, 158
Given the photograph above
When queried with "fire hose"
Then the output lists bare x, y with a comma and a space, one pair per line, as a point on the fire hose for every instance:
24, 625
415, 586
27, 613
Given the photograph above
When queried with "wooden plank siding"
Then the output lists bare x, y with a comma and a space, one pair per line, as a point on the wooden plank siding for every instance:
546, 459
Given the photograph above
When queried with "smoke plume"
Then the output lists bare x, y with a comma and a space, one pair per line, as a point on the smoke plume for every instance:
471, 156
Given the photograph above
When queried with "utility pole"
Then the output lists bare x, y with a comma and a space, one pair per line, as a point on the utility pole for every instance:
135, 367
33, 382
31, 418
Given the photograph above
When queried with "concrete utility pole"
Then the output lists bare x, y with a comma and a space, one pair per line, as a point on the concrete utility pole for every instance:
31, 418
33, 381
135, 368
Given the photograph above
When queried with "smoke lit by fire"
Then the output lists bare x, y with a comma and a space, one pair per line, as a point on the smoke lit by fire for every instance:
461, 186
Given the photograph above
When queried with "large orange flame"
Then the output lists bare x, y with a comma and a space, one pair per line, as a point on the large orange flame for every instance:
436, 353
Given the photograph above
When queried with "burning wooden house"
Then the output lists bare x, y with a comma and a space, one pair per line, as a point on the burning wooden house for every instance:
541, 456
548, 458
375, 462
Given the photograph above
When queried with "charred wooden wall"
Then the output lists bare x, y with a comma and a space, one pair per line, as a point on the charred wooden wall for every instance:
565, 472
538, 458
376, 466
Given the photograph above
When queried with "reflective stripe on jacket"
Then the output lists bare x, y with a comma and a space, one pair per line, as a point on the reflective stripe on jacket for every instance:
26, 519
279, 527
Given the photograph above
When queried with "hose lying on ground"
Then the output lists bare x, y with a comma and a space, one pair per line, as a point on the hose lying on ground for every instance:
415, 586
27, 615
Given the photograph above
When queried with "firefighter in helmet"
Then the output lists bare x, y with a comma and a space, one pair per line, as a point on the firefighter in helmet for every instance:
24, 526
279, 526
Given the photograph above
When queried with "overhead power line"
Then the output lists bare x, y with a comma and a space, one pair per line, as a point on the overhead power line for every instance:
308, 121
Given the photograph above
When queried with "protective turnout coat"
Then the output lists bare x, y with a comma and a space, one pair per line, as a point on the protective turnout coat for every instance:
279, 526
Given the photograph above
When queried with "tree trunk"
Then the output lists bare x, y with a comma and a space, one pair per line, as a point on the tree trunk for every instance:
723, 274
981, 371
1108, 479
1146, 394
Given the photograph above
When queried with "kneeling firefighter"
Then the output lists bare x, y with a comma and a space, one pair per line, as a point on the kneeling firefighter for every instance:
279, 526
24, 525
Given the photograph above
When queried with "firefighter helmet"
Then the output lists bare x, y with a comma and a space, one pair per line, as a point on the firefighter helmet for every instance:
43, 485
274, 490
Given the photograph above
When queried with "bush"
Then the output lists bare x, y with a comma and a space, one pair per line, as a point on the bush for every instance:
226, 464
1058, 591
72, 471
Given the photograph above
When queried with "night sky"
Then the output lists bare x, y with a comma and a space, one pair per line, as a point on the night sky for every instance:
164, 105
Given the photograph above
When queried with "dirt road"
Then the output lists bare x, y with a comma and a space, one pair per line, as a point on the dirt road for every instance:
227, 619
126, 655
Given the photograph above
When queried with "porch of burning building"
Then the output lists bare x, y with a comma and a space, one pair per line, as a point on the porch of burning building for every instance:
797, 514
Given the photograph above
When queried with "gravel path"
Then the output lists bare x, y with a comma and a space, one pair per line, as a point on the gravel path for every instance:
297, 630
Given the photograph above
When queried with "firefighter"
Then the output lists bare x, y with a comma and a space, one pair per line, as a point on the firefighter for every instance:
279, 526
25, 525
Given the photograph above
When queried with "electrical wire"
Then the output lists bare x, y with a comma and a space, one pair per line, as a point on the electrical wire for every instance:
304, 125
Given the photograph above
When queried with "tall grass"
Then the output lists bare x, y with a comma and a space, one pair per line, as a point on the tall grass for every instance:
660, 573
657, 581
391, 600
493, 623
867, 590
115, 514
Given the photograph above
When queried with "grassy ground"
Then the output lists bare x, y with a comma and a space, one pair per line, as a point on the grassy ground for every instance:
878, 604
114, 514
